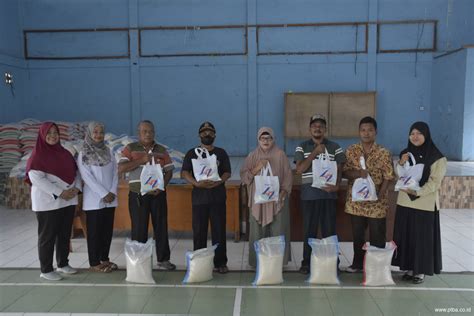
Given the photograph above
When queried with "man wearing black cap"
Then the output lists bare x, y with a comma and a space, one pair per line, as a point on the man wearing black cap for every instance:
318, 205
209, 198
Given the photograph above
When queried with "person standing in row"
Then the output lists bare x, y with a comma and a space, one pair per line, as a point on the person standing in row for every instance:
134, 157
55, 183
273, 218
318, 205
99, 172
209, 198
417, 230
378, 161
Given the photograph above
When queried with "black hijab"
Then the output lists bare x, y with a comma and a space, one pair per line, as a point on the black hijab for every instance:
427, 153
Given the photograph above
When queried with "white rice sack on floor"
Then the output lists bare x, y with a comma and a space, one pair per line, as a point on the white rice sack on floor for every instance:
269, 253
139, 261
199, 264
377, 262
324, 256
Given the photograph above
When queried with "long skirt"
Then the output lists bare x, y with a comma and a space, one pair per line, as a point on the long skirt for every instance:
279, 226
417, 234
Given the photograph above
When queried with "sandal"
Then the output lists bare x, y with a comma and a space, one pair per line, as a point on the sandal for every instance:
407, 277
102, 268
112, 265
418, 279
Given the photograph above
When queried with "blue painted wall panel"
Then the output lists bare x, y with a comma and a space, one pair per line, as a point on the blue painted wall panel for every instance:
193, 41
10, 32
468, 132
79, 94
78, 44
315, 11
179, 93
409, 36
399, 97
448, 92
178, 99
11, 51
192, 12
74, 14
312, 39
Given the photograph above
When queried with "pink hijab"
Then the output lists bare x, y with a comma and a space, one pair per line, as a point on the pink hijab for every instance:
264, 213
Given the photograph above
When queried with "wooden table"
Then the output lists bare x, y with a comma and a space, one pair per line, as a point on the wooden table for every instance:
180, 208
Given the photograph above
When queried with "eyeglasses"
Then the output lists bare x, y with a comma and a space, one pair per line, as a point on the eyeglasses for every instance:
265, 139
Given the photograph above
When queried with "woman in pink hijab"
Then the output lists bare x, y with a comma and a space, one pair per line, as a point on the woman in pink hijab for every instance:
272, 218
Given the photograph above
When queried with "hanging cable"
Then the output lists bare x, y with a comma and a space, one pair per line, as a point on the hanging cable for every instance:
356, 42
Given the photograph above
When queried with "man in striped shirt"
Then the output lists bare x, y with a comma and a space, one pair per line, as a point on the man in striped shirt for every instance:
318, 205
134, 157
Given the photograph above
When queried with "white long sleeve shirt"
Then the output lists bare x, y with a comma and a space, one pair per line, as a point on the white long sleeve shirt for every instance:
98, 182
46, 189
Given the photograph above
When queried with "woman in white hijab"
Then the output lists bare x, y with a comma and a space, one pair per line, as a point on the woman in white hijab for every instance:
273, 218
98, 169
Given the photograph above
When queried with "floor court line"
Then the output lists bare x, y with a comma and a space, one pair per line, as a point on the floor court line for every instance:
289, 287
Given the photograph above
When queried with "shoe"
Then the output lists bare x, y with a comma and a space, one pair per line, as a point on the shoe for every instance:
67, 270
221, 269
166, 265
350, 269
51, 276
418, 279
304, 270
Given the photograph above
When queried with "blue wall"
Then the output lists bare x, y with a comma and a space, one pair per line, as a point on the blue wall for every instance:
238, 93
468, 136
11, 61
447, 116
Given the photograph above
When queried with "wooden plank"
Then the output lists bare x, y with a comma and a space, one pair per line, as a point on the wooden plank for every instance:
299, 107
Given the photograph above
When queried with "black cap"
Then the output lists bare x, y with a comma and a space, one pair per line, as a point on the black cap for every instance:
206, 126
317, 117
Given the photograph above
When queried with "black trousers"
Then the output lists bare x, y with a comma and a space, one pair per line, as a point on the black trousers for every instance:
216, 213
140, 208
317, 213
54, 228
100, 228
377, 232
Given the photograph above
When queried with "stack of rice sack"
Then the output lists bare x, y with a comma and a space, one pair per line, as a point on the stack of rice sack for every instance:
10, 154
29, 134
17, 195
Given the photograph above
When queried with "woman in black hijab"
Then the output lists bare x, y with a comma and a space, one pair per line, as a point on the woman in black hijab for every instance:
417, 229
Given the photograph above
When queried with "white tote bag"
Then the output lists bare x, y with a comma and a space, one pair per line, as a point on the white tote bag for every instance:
151, 178
364, 189
409, 176
205, 168
324, 171
267, 186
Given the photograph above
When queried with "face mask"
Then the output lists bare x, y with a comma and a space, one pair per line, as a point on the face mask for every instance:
207, 140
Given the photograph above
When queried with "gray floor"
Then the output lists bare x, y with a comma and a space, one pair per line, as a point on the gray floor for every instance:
18, 238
